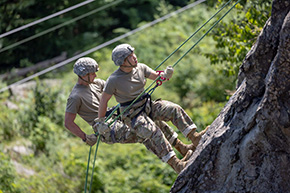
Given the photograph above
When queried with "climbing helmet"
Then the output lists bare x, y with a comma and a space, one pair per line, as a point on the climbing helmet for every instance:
85, 65
120, 53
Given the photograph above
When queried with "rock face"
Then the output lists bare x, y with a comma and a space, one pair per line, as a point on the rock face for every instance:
247, 148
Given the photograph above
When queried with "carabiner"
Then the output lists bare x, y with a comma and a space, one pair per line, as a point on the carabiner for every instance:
161, 79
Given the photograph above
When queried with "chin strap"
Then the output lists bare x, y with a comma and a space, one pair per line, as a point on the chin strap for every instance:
87, 81
130, 65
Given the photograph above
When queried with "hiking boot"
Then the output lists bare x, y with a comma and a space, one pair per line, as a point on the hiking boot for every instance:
177, 164
183, 148
195, 136
187, 156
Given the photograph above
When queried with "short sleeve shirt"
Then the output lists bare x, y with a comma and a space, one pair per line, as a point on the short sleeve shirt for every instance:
85, 99
127, 86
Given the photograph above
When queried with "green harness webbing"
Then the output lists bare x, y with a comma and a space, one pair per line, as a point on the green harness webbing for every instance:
159, 78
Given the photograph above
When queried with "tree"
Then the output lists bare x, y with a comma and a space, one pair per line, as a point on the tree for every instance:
77, 36
234, 37
247, 147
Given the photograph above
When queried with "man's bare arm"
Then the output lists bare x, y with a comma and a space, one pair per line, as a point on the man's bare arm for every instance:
104, 104
72, 126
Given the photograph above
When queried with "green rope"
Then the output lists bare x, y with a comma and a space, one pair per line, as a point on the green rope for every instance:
180, 47
205, 34
94, 163
193, 34
86, 182
88, 169
159, 77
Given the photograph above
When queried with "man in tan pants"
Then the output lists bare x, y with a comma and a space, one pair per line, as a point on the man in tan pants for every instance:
126, 84
84, 100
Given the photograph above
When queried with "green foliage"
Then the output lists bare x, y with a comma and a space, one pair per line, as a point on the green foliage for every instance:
60, 159
205, 114
50, 177
7, 175
44, 103
132, 169
9, 124
45, 133
45, 100
234, 37
75, 37
39, 118
193, 78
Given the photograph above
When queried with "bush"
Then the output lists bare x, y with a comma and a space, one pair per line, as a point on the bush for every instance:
205, 114
9, 124
40, 118
7, 175
45, 134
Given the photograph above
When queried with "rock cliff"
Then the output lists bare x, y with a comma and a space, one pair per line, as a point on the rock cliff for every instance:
247, 147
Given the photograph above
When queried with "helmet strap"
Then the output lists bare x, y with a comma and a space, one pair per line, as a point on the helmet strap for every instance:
87, 81
130, 65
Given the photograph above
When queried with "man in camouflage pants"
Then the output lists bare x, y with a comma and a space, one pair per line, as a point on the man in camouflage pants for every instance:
84, 101
126, 84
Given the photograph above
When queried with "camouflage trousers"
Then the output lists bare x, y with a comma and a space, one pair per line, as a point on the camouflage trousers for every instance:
121, 133
153, 133
118, 132
137, 119
144, 131
162, 110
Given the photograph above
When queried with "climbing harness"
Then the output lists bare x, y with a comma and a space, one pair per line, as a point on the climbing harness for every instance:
159, 79
111, 111
147, 98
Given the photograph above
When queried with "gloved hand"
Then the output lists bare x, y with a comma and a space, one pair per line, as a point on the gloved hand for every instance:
168, 72
100, 126
91, 139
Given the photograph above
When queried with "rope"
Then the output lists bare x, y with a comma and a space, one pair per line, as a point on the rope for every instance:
58, 26
86, 182
88, 168
205, 34
100, 46
193, 34
94, 163
159, 78
45, 18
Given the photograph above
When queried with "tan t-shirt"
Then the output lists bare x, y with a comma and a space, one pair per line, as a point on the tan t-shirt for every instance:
85, 100
127, 86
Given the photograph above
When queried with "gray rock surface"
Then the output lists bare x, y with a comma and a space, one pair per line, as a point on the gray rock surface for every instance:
247, 147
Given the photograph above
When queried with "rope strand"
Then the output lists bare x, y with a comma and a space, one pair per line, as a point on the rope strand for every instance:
193, 34
100, 46
205, 34
45, 18
97, 146
58, 26
88, 165
159, 77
